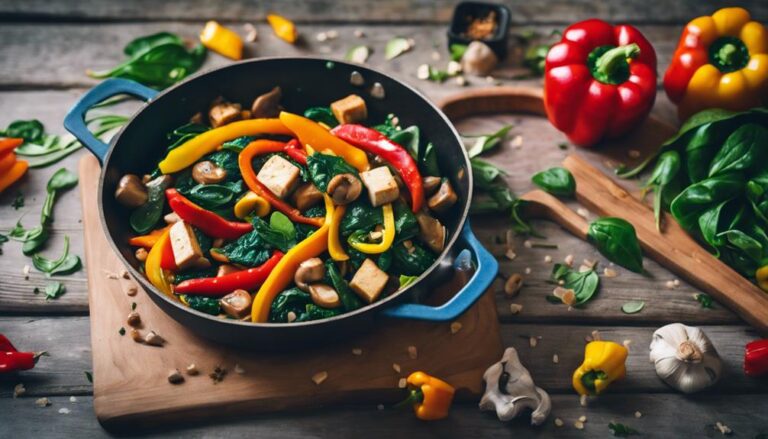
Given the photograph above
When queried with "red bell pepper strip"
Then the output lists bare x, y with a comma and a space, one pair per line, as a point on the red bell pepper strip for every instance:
599, 81
248, 280
296, 152
264, 146
12, 360
205, 220
372, 141
167, 258
756, 358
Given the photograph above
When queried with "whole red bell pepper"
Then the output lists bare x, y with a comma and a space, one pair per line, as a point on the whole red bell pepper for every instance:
12, 360
247, 280
373, 142
205, 220
756, 358
599, 81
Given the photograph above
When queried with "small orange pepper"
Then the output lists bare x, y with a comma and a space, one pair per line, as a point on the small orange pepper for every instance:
222, 40
149, 240
283, 28
431, 397
9, 144
16, 171
6, 162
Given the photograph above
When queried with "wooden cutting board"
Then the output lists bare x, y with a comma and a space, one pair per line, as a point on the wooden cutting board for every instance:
130, 379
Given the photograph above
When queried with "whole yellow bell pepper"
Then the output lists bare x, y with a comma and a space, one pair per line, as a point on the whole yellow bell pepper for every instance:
388, 235
283, 28
193, 149
222, 40
313, 136
603, 364
720, 62
430, 397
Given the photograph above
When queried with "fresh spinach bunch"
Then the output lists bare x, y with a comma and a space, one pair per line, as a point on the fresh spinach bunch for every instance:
158, 60
556, 181
616, 239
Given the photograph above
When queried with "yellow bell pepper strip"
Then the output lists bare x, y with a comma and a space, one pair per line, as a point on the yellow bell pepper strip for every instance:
283, 28
149, 240
13, 174
251, 204
762, 277
193, 149
222, 40
152, 266
720, 62
313, 136
388, 235
430, 397
245, 159
335, 248
603, 364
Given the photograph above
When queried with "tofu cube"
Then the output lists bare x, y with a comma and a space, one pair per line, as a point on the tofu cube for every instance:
351, 109
279, 176
382, 187
306, 196
223, 114
369, 281
186, 250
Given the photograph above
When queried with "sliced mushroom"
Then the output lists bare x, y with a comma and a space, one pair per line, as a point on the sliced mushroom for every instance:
224, 113
324, 296
267, 105
431, 232
431, 184
236, 304
306, 196
344, 189
206, 172
309, 271
197, 118
131, 192
443, 199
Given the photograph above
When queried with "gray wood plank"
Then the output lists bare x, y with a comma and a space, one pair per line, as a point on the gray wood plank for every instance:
67, 340
662, 416
397, 11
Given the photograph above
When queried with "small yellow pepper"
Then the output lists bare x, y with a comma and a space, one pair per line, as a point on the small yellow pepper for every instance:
193, 149
603, 364
313, 136
431, 397
388, 235
282, 275
762, 277
222, 40
335, 248
283, 28
155, 273
251, 204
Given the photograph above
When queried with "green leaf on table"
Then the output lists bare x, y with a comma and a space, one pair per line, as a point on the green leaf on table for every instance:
358, 54
556, 181
18, 202
396, 47
88, 376
633, 307
621, 430
487, 142
705, 300
30, 130
54, 290
616, 239
457, 51
584, 284
65, 264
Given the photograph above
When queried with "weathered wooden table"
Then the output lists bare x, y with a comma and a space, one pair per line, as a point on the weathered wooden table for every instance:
48, 44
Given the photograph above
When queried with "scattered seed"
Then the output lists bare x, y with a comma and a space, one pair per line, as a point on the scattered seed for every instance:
568, 260
218, 374
111, 274
633, 153
251, 34
510, 254
596, 335
64, 411
582, 212
121, 331
583, 400
19, 390
548, 259
358, 33
676, 283
380, 407
319, 377
291, 316
533, 341
131, 291
517, 141
42, 402
175, 377
332, 34
322, 36
461, 81
627, 343
436, 55
555, 358
724, 429
582, 418
377, 91
589, 264
527, 270
422, 72
638, 414
134, 319
192, 370
25, 270
455, 327
670, 284
396, 367
413, 352
561, 282
357, 352
124, 274
402, 383
513, 285
558, 422
579, 425
527, 243
136, 336
515, 308
72, 399
609, 272
453, 68
154, 339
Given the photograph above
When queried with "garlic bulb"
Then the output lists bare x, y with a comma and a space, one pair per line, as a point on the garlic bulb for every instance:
684, 357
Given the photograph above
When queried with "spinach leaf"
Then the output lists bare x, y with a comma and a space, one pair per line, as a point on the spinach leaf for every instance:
556, 181
384, 261
250, 250
704, 143
413, 261
32, 131
323, 167
743, 150
615, 238
694, 200
144, 218
65, 264
279, 222
54, 290
291, 300
406, 224
424, 154
584, 284
274, 238
183, 133
360, 216
314, 312
193, 273
667, 168
215, 196
710, 226
747, 244
208, 305
485, 173
407, 280
487, 142
621, 430
237, 145
349, 299
321, 114
144, 44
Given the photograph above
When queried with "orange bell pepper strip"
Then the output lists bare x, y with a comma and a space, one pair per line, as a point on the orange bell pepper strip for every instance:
335, 248
222, 40
283, 28
282, 275
264, 146
152, 266
312, 134
14, 174
6, 162
193, 149
431, 397
149, 240
9, 144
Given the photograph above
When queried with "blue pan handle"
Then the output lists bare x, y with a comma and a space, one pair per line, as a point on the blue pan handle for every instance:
75, 120
485, 272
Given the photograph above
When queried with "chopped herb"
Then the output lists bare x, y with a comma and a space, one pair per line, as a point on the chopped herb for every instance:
457, 51
121, 331
704, 299
54, 290
562, 146
621, 430
3, 239
633, 307
18, 202
133, 306
487, 142
89, 376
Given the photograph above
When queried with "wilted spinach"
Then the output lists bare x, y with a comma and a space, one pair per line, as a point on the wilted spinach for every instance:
349, 299
321, 114
616, 239
300, 304
144, 218
184, 133
411, 261
556, 181
323, 167
208, 305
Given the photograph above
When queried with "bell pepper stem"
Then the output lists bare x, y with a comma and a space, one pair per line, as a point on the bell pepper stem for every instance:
612, 59
727, 53
415, 396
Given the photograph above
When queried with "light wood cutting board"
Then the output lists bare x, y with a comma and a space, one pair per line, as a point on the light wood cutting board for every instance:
130, 379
